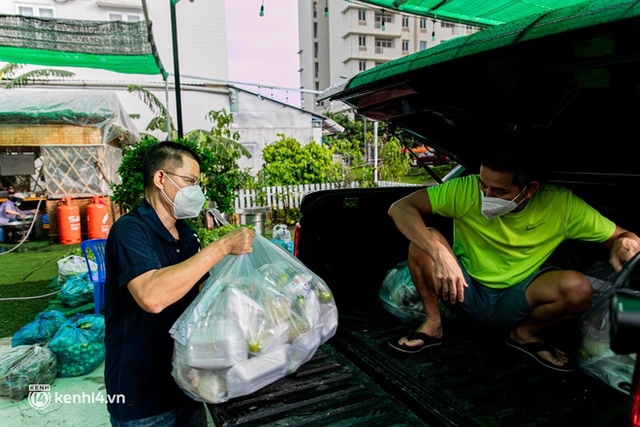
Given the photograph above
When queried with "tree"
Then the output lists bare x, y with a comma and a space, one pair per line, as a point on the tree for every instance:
395, 164
287, 163
352, 144
157, 107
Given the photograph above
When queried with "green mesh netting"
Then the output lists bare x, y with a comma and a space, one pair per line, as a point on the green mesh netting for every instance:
123, 47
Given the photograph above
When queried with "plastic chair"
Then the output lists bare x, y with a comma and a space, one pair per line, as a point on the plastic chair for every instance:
96, 246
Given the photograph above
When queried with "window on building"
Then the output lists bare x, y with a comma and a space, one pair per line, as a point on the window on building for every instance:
362, 16
388, 19
423, 45
316, 69
362, 41
381, 44
362, 65
405, 45
315, 30
423, 24
317, 86
128, 17
315, 9
315, 50
405, 22
39, 11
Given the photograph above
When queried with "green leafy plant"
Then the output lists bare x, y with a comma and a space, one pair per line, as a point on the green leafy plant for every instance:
395, 164
208, 236
288, 163
9, 72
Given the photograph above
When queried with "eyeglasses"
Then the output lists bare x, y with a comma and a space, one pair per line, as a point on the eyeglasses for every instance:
189, 180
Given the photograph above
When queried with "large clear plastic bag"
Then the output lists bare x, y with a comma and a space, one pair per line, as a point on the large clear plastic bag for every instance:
40, 330
282, 237
259, 317
24, 365
595, 356
71, 265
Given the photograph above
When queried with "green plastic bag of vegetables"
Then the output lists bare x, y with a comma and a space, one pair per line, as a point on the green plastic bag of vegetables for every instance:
24, 365
79, 345
399, 296
77, 290
42, 329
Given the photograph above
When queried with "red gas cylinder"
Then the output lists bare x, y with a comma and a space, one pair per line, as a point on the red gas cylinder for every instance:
97, 219
69, 222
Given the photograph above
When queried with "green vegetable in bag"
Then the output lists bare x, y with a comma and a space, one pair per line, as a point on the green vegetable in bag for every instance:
79, 345
77, 290
24, 365
42, 329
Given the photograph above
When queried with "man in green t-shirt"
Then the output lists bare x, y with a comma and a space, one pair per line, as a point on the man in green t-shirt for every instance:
505, 225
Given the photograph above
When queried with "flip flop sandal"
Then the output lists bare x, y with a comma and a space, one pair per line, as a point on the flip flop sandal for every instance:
427, 341
533, 349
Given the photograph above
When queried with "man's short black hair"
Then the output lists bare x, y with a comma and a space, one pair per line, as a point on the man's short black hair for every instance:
508, 157
165, 155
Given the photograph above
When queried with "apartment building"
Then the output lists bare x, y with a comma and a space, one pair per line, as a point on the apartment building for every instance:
340, 38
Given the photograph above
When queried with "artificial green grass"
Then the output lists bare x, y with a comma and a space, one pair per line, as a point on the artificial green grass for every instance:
27, 272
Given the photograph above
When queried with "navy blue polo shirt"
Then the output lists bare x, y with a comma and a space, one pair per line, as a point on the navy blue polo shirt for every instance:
139, 347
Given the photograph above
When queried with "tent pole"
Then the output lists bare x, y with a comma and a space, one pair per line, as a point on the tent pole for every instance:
176, 67
168, 118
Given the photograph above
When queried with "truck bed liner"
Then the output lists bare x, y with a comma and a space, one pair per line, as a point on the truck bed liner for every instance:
328, 390
472, 379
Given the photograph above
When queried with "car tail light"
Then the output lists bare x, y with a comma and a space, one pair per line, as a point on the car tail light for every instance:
634, 401
296, 239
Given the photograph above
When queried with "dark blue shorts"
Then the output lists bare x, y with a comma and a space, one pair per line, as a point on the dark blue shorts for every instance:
499, 308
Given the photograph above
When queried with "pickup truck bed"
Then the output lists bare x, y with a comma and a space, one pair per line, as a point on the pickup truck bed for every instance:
472, 379
356, 378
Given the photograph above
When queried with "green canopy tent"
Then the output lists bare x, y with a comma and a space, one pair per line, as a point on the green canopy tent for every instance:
481, 13
122, 47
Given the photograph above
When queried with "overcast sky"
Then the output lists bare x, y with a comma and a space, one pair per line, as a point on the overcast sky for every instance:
264, 50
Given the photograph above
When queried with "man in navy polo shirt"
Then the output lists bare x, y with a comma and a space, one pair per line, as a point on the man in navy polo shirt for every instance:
154, 268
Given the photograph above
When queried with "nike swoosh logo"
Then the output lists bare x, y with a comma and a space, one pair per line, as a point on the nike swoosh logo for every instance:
531, 227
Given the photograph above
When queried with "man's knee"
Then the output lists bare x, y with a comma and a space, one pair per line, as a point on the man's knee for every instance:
577, 290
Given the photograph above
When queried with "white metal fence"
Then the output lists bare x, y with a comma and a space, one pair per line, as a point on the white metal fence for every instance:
396, 184
276, 196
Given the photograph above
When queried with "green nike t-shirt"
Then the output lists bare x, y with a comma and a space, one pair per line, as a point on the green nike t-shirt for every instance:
502, 252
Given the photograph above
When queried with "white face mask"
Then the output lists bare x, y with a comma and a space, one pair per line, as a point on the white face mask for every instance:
493, 207
188, 201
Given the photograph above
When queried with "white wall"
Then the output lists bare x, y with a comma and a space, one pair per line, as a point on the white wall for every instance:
203, 52
202, 49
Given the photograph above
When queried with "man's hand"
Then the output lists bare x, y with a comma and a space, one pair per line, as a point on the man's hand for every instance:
450, 282
625, 247
239, 241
